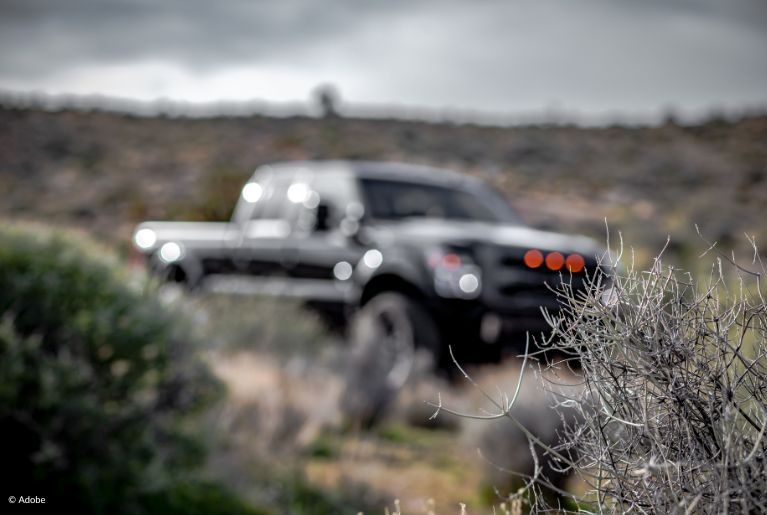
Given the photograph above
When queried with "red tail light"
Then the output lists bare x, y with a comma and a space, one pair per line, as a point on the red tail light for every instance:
451, 261
448, 261
555, 261
533, 258
575, 263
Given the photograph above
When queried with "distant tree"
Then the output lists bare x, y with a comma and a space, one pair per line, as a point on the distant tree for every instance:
327, 98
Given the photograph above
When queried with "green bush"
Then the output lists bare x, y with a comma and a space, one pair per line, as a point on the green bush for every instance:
195, 498
98, 381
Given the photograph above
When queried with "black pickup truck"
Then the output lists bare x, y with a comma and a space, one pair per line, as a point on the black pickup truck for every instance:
417, 257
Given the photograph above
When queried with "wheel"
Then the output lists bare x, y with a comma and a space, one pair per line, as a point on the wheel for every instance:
392, 338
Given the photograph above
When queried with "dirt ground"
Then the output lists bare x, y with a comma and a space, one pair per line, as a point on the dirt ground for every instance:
290, 413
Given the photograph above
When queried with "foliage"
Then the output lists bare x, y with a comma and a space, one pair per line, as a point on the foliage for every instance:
196, 498
239, 322
218, 191
98, 381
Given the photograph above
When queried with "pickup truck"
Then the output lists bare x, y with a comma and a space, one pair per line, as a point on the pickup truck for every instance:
413, 259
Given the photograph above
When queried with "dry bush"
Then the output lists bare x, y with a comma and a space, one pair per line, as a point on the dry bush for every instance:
279, 327
675, 401
274, 356
275, 410
503, 446
671, 415
520, 437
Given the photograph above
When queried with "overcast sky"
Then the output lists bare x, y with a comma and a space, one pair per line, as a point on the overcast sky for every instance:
595, 58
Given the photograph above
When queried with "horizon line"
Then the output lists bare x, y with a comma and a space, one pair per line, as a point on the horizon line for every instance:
553, 116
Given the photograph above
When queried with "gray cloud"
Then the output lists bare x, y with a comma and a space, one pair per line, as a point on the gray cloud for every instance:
589, 55
198, 33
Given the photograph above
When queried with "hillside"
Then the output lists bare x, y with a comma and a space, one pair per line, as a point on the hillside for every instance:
101, 170
274, 441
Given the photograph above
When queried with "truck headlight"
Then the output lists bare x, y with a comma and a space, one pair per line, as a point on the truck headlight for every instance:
469, 283
145, 238
171, 251
456, 275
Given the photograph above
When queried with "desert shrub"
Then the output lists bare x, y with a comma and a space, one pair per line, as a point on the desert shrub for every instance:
98, 381
503, 446
233, 323
215, 198
671, 412
674, 408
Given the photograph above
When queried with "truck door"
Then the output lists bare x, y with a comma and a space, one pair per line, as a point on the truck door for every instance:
321, 239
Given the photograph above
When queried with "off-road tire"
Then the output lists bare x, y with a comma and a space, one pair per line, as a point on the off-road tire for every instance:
392, 339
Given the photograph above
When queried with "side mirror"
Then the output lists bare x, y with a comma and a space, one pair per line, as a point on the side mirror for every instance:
322, 217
